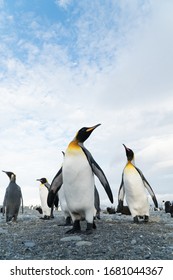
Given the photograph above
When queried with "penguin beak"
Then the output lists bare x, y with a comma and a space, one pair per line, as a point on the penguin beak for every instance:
9, 174
129, 153
125, 147
93, 127
38, 180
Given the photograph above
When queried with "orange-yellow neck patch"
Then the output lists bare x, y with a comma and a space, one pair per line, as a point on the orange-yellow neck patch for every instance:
74, 145
129, 165
129, 168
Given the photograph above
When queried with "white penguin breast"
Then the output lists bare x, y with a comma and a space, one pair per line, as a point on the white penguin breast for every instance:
133, 183
43, 198
78, 181
135, 192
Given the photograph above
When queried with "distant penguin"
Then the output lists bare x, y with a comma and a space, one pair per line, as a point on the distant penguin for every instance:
43, 191
134, 186
12, 199
77, 177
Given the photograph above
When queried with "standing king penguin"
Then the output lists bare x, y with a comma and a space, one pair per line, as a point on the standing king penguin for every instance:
64, 207
12, 198
77, 177
134, 186
43, 191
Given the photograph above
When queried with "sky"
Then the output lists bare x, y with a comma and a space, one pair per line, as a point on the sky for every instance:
66, 64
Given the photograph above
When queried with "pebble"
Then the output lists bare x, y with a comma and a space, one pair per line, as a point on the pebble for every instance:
169, 225
71, 238
3, 231
29, 244
83, 243
169, 235
133, 242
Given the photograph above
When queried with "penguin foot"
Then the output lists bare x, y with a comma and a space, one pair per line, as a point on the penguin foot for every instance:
146, 219
76, 228
45, 218
141, 217
88, 231
90, 227
94, 225
72, 231
135, 219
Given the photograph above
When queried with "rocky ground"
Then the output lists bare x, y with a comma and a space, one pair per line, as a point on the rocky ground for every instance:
116, 238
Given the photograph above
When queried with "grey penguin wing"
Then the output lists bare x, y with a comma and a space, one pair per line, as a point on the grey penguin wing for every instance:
121, 194
54, 187
98, 172
148, 187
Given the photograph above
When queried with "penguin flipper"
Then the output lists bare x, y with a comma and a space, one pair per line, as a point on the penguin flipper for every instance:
98, 172
121, 194
56, 201
54, 187
148, 187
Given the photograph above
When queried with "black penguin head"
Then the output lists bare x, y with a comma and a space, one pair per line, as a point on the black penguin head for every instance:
11, 175
84, 133
42, 180
129, 153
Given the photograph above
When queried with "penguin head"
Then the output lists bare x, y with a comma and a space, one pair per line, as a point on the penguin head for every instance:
129, 153
84, 133
11, 175
42, 180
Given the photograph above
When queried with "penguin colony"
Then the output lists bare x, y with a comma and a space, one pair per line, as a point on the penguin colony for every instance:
73, 187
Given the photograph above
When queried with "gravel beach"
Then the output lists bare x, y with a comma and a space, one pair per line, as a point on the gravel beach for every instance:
116, 238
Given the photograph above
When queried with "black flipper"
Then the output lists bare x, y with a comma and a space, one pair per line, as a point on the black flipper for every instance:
148, 187
54, 187
56, 201
98, 172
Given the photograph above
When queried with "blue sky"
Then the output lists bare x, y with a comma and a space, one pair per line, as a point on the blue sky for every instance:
67, 64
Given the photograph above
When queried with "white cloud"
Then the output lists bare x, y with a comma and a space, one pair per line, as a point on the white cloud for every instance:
63, 3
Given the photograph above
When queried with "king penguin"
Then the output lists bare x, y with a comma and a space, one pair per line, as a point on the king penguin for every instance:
43, 191
134, 186
12, 199
77, 177
64, 207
